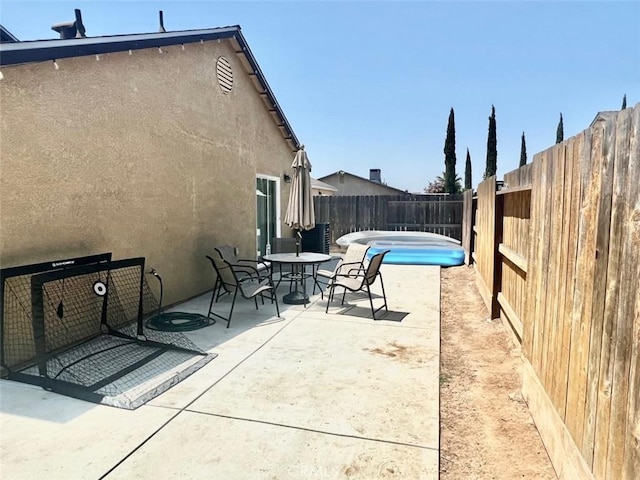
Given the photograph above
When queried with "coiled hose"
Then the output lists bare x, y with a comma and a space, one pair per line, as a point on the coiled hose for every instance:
175, 321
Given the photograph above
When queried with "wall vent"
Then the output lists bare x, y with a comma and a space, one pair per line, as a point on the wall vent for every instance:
224, 74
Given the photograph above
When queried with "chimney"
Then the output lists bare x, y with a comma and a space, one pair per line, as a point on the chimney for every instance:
73, 29
374, 175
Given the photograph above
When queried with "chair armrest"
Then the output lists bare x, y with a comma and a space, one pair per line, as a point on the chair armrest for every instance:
246, 269
261, 264
340, 267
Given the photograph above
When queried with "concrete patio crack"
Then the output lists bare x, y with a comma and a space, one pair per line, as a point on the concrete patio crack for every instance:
313, 430
186, 407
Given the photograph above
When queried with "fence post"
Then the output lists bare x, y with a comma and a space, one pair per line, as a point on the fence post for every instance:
467, 226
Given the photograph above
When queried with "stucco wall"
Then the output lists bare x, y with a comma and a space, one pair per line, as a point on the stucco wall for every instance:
353, 185
141, 155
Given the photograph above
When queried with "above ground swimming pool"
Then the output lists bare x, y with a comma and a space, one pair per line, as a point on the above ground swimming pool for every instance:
409, 248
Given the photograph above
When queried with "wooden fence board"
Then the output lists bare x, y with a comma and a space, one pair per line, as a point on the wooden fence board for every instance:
572, 219
552, 321
542, 298
531, 340
618, 308
557, 348
631, 270
581, 320
598, 392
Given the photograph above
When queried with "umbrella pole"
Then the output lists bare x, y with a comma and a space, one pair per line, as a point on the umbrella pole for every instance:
298, 238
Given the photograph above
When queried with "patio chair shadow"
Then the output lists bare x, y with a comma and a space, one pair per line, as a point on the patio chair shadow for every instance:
365, 312
245, 317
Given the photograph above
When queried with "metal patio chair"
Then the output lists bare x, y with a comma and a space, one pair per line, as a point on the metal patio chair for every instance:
228, 253
352, 264
236, 278
361, 283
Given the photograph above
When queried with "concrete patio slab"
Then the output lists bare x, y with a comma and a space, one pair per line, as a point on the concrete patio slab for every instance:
306, 395
339, 377
197, 446
45, 435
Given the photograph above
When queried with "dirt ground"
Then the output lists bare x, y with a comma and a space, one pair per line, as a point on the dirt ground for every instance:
486, 431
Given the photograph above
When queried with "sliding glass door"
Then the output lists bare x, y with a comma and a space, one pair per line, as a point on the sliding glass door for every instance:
268, 212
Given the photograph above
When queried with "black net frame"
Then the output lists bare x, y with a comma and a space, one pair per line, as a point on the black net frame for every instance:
10, 279
47, 342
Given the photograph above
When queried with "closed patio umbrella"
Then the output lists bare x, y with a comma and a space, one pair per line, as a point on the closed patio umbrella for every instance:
300, 214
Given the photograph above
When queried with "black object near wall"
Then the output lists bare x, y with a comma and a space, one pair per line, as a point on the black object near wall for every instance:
317, 239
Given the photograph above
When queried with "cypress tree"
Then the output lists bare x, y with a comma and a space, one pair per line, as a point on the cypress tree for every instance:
492, 146
560, 131
523, 151
450, 156
467, 172
624, 102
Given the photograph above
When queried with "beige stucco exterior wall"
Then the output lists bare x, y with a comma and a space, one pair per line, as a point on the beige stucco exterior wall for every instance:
357, 186
140, 155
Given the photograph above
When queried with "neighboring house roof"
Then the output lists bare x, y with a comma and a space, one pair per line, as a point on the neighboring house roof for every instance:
6, 36
319, 185
603, 116
342, 172
16, 52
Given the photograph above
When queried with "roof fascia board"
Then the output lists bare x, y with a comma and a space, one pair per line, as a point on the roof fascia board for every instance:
44, 50
7, 35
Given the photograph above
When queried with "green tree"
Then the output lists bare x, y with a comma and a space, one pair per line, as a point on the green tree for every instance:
492, 146
560, 131
450, 156
523, 151
624, 102
467, 172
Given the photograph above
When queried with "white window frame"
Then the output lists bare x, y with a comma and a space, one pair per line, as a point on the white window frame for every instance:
278, 231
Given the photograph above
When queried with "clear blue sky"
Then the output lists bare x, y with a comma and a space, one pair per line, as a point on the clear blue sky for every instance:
370, 84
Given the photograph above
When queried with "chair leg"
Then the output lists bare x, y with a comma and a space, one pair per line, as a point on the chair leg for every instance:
329, 298
226, 319
255, 299
233, 304
215, 287
213, 297
384, 298
275, 297
384, 295
373, 312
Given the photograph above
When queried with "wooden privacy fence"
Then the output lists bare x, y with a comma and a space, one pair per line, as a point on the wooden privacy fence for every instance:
557, 257
420, 213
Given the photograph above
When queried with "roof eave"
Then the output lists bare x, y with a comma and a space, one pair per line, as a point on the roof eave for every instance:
50, 50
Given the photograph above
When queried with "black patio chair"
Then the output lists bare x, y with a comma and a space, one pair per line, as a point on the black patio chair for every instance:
234, 279
361, 283
228, 253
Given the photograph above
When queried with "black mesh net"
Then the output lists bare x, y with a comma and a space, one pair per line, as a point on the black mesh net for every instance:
79, 331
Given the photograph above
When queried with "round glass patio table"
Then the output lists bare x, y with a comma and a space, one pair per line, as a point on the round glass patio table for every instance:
299, 262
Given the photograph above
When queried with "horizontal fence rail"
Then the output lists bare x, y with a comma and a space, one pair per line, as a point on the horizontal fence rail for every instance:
440, 214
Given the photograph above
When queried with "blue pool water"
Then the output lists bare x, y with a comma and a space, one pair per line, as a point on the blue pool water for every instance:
409, 248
